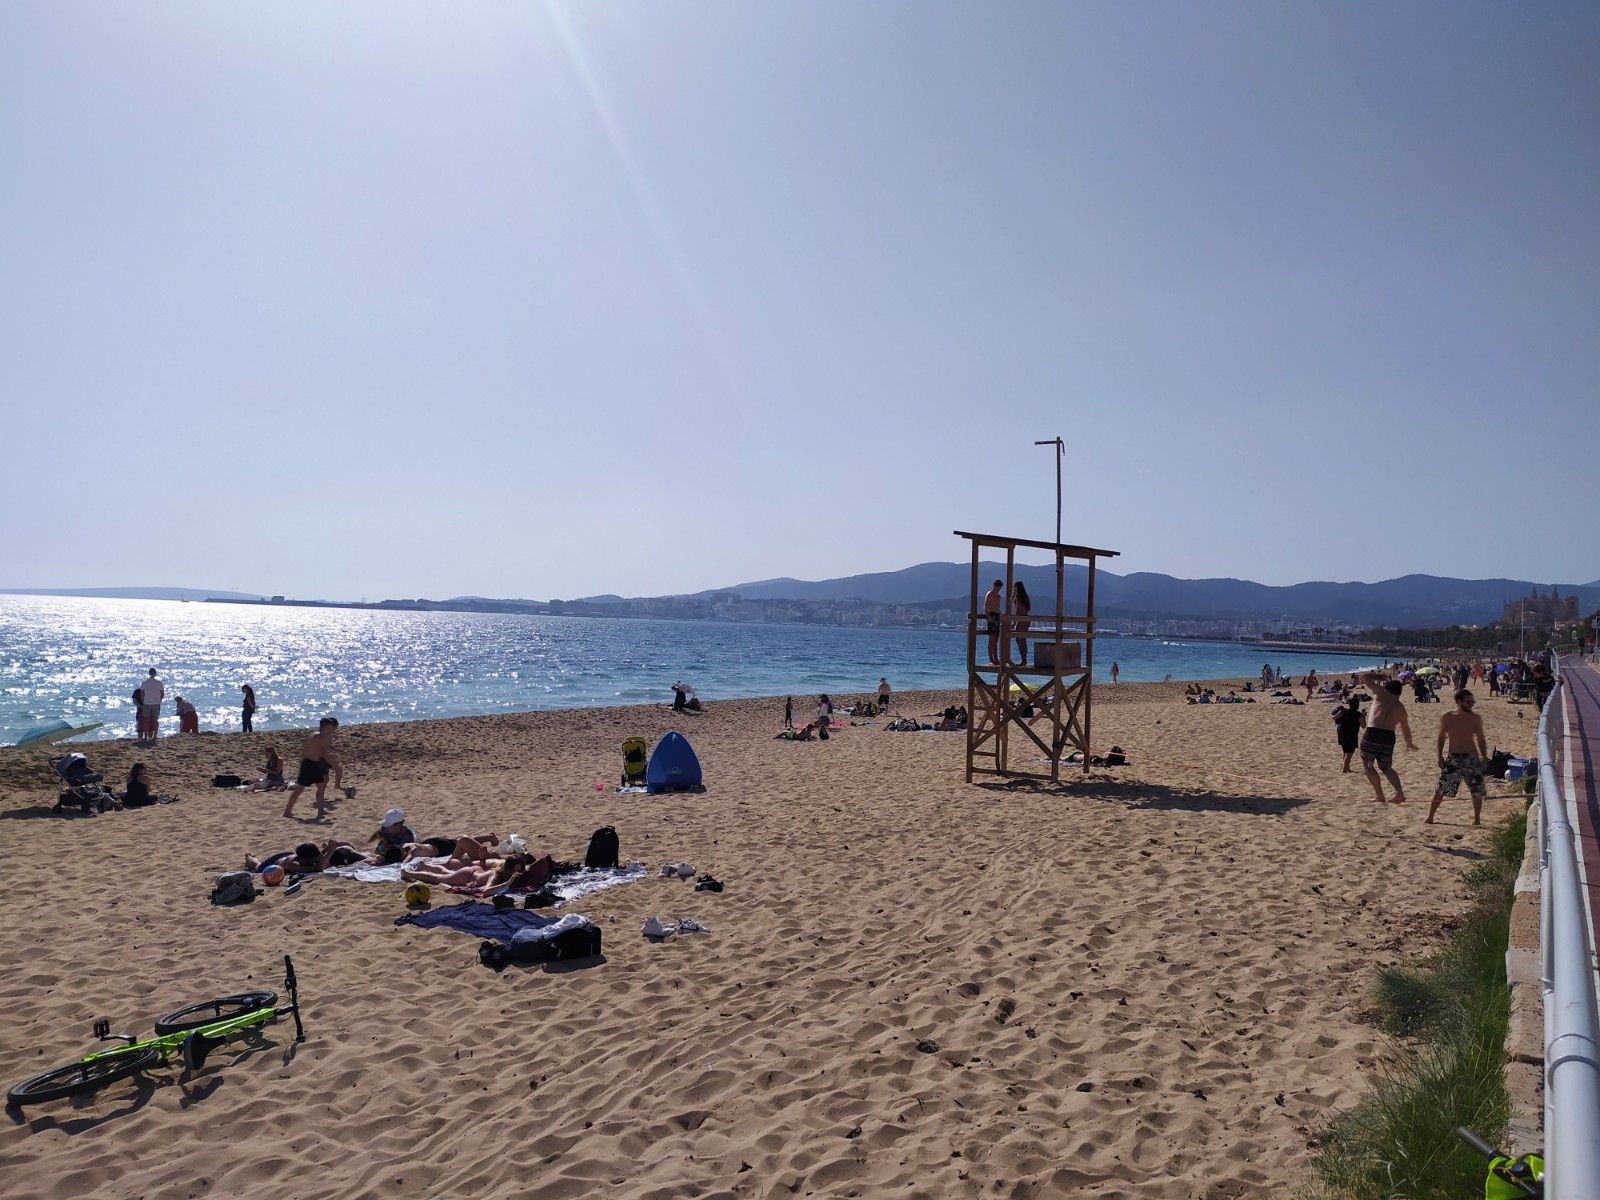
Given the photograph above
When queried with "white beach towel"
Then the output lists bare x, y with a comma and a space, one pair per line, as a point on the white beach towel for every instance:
583, 882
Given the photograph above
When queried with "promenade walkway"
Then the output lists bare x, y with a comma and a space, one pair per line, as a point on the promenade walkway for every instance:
1578, 771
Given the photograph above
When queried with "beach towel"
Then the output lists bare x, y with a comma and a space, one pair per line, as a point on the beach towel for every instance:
481, 920
582, 882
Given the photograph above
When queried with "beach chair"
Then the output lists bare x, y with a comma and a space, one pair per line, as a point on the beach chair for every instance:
635, 756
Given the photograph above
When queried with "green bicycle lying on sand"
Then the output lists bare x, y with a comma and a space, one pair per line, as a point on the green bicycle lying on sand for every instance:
192, 1032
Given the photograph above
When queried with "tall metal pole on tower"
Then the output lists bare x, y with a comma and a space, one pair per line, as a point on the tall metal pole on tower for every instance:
1061, 452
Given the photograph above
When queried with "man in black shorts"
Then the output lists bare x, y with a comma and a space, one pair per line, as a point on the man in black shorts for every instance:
992, 604
316, 759
1388, 714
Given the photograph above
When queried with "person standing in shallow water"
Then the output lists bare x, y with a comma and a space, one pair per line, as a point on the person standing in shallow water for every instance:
151, 693
1114, 672
249, 707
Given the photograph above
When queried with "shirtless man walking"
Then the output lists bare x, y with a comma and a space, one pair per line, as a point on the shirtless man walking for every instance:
992, 604
316, 757
1462, 732
1388, 713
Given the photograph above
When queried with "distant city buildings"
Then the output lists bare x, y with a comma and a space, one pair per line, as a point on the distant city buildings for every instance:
941, 614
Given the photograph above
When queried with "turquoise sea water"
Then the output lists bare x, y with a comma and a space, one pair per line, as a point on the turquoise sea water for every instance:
80, 659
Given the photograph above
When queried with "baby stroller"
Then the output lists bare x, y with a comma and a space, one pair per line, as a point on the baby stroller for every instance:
635, 756
82, 787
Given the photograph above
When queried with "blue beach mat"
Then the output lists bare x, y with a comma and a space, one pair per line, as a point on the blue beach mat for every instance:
478, 919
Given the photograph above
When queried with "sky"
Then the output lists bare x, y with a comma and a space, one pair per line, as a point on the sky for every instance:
547, 300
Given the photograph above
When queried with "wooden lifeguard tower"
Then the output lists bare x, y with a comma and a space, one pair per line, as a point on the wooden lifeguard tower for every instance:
1049, 680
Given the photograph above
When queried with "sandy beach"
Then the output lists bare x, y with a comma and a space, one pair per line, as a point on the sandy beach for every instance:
1150, 982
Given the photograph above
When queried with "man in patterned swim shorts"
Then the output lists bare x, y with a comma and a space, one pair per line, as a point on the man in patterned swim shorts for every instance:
1461, 732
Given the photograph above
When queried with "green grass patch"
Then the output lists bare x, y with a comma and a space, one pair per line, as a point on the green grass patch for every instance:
1399, 1142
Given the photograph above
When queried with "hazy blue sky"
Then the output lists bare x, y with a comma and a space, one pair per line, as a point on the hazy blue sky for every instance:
399, 299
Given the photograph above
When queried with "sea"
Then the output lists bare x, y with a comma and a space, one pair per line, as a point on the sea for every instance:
79, 659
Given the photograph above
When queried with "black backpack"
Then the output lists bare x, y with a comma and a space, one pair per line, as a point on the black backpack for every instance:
603, 848
236, 887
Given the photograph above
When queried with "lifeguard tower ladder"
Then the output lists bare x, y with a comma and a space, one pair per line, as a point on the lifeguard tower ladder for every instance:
1050, 683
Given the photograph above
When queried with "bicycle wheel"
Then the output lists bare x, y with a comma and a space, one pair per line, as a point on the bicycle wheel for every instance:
208, 1011
81, 1078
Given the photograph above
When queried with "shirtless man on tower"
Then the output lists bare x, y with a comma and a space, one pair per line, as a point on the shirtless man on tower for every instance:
316, 757
992, 604
1388, 713
1468, 749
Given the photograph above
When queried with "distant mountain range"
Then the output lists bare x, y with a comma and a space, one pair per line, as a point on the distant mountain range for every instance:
1411, 600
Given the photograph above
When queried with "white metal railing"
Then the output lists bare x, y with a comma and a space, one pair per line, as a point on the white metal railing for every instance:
1571, 1014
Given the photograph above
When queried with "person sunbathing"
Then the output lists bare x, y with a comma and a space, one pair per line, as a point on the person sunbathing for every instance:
457, 851
307, 858
520, 872
468, 877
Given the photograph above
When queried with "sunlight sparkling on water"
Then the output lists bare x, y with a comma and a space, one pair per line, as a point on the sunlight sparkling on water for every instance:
80, 659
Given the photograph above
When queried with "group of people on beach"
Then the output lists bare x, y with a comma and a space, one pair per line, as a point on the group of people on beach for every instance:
1019, 609
1373, 733
1460, 745
152, 691
477, 864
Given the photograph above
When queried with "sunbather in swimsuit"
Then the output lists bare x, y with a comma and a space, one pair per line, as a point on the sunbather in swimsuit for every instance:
519, 873
307, 858
460, 852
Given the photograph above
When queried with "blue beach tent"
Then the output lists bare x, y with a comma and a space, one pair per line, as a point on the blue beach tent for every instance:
673, 766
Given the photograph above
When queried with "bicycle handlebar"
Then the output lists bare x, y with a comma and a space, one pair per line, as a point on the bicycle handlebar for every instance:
1476, 1142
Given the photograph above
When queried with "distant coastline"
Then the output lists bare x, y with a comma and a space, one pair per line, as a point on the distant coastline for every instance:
581, 609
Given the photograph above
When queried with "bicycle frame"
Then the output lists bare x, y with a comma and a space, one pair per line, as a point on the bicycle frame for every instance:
168, 1044
172, 1043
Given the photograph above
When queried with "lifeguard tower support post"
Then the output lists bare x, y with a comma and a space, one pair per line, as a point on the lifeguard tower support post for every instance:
1052, 683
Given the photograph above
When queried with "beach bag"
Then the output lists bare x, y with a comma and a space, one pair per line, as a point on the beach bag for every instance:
1499, 763
236, 887
225, 781
603, 848
1117, 757
582, 942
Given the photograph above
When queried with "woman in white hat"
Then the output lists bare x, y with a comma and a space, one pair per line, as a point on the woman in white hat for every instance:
392, 838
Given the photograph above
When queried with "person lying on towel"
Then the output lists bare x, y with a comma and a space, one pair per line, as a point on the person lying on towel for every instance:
520, 872
307, 858
458, 851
